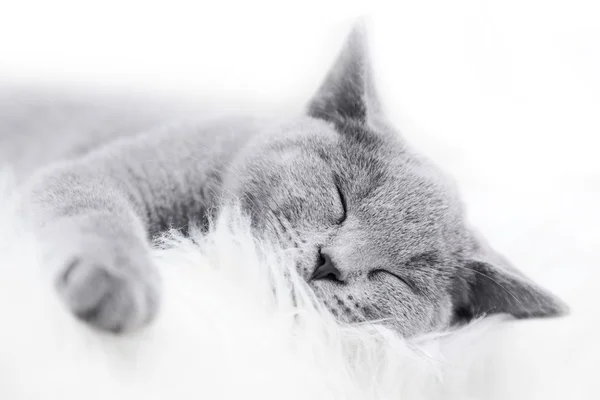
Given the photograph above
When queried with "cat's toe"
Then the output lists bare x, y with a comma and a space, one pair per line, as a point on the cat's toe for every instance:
105, 297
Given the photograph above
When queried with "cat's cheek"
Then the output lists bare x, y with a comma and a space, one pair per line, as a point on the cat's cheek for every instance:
341, 301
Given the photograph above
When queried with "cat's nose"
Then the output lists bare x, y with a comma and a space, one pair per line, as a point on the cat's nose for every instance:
325, 269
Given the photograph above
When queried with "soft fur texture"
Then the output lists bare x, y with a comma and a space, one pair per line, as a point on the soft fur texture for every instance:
223, 334
378, 230
501, 94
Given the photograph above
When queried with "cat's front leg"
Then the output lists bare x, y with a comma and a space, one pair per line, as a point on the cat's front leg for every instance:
102, 270
96, 249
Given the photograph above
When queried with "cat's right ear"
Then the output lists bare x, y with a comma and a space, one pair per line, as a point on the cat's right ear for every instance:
348, 91
495, 286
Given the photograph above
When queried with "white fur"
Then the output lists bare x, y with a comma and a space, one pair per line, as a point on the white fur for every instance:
223, 334
498, 84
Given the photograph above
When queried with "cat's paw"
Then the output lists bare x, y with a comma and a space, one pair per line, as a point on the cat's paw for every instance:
114, 298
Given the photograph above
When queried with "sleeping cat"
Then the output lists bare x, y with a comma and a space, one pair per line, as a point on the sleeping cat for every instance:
380, 231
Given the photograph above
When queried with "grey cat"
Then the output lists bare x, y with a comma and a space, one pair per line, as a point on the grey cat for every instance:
380, 231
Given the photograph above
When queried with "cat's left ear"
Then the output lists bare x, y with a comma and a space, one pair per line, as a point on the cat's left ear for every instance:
494, 286
348, 91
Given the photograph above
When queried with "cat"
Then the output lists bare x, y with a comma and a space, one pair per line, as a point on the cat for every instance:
380, 231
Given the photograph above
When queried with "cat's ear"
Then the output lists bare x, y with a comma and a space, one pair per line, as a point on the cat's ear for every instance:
348, 91
494, 286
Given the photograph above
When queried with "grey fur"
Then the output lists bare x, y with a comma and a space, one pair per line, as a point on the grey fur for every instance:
398, 239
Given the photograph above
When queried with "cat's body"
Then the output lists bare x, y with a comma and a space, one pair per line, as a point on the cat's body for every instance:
380, 232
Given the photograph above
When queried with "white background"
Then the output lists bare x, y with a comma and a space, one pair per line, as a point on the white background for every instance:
518, 79
504, 94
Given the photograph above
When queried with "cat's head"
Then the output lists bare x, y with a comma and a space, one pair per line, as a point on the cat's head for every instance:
380, 231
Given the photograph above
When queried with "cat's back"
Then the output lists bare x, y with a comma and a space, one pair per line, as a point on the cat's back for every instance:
42, 125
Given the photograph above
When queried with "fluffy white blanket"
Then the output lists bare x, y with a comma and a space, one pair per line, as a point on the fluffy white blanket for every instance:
508, 91
223, 333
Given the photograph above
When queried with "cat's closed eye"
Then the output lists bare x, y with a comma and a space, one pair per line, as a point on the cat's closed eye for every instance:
343, 202
376, 273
